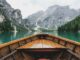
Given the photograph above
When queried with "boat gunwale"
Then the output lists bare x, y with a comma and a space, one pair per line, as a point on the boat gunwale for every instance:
66, 40
14, 41
26, 38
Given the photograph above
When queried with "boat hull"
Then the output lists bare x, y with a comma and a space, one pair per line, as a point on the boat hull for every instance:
10, 51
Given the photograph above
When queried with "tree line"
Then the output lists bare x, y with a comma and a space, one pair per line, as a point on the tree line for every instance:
73, 25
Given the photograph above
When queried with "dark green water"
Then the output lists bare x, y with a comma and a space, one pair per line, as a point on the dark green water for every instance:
9, 36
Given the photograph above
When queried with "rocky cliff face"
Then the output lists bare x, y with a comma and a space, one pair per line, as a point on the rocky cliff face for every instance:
55, 16
58, 16
1, 18
32, 19
12, 16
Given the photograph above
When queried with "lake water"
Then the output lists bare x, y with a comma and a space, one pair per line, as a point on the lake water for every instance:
9, 36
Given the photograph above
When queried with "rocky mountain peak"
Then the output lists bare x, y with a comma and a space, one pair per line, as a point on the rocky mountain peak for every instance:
55, 16
11, 15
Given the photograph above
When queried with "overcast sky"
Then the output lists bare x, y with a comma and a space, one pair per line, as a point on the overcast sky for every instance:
29, 7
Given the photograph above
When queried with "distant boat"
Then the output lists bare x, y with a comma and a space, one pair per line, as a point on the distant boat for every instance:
40, 47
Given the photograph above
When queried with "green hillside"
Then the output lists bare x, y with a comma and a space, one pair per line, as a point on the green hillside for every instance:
73, 25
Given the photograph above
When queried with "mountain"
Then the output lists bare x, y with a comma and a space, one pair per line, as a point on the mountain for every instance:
35, 16
10, 17
73, 25
54, 17
32, 19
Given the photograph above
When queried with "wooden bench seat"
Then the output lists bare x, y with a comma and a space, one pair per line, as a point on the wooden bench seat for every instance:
42, 45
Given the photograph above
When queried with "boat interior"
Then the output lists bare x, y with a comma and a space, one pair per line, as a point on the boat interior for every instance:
40, 47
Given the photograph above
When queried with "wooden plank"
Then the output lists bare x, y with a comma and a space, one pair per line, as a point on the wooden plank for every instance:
8, 55
76, 55
41, 44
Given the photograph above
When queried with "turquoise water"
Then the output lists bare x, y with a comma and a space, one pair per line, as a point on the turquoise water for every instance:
71, 35
9, 36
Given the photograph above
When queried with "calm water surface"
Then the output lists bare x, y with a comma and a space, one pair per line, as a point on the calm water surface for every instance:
9, 36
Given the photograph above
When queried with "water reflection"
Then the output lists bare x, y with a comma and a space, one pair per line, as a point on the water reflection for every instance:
9, 36
70, 35
52, 32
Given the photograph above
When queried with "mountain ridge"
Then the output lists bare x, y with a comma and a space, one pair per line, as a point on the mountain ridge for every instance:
54, 16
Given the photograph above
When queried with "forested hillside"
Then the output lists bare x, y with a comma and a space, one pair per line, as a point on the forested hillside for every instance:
73, 25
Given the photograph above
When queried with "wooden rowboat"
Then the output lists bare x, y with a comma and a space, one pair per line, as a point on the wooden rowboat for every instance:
40, 47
